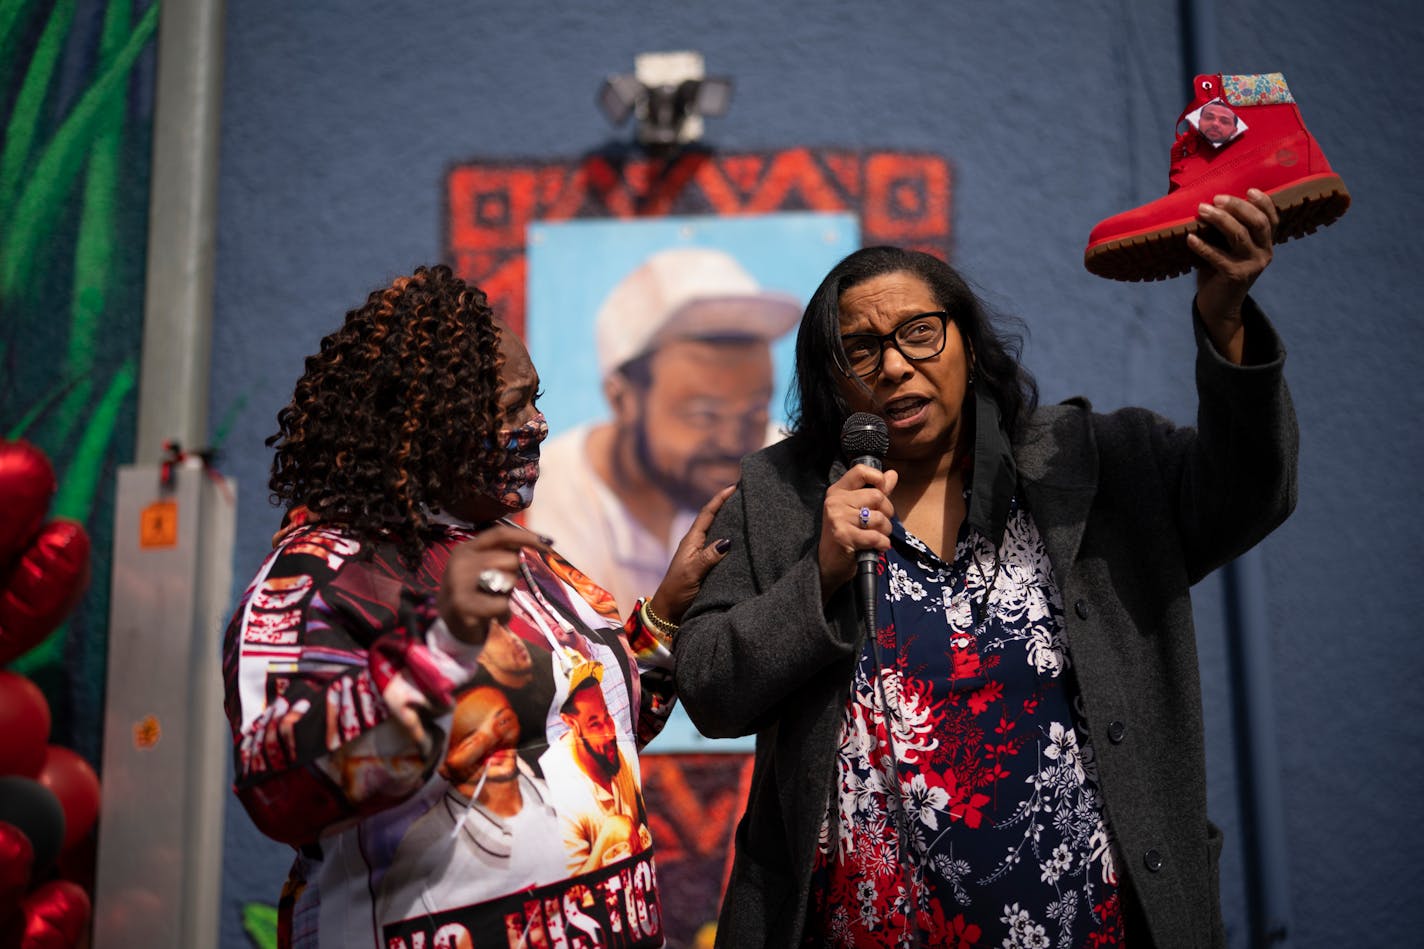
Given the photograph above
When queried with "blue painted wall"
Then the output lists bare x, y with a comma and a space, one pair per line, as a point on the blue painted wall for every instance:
340, 121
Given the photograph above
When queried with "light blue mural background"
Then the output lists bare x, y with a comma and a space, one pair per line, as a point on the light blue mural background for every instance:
573, 265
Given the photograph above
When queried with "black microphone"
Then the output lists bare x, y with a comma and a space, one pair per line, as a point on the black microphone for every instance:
864, 441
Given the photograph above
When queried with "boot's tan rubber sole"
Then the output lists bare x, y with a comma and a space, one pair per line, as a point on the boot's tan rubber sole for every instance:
1163, 253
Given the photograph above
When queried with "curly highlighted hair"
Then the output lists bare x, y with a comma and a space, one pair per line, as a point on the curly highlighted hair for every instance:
397, 415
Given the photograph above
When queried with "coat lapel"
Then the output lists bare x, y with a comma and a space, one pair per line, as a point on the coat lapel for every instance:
1058, 470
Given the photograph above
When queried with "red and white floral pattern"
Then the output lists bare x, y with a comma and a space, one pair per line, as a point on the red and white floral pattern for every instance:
979, 769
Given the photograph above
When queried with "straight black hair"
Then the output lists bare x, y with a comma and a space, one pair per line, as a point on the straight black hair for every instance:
821, 363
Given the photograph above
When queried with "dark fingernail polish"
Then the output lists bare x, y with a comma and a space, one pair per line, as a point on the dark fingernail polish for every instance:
723, 545
547, 539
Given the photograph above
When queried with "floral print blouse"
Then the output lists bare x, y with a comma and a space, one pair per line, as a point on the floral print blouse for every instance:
970, 815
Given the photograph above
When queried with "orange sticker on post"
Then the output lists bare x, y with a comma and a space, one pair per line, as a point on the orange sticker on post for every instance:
146, 733
158, 525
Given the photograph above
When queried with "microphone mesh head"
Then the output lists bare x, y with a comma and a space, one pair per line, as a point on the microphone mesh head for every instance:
864, 434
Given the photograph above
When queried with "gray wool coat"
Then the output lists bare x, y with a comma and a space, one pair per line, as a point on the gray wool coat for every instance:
1133, 511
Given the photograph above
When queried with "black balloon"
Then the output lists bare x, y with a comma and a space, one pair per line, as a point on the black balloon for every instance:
35, 810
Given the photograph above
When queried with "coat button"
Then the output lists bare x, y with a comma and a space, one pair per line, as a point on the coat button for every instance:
1081, 608
1153, 859
1116, 731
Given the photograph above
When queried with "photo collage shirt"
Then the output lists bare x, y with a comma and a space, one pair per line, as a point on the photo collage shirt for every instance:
521, 823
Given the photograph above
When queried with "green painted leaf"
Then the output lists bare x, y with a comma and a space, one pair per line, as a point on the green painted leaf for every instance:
39, 408
57, 168
25, 114
225, 423
96, 243
12, 21
11, 12
78, 486
260, 921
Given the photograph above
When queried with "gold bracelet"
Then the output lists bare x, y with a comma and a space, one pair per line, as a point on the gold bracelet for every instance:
665, 628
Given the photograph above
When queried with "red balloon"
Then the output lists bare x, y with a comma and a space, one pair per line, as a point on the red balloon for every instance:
24, 725
56, 916
17, 863
26, 485
42, 586
76, 786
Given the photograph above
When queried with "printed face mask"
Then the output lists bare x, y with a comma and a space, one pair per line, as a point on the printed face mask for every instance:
513, 484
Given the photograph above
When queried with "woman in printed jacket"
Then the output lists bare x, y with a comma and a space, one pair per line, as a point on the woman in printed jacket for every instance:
441, 714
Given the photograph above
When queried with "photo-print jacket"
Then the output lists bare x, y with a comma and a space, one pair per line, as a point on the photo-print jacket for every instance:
523, 821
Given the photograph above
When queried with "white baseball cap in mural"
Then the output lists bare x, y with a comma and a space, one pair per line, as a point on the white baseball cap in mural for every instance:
687, 293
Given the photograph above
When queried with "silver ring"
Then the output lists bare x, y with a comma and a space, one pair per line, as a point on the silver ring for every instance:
495, 582
865, 517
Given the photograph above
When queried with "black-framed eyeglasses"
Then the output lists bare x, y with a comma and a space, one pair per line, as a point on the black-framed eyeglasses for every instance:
919, 337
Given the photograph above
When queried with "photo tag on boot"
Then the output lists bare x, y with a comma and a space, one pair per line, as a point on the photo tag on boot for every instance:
1217, 123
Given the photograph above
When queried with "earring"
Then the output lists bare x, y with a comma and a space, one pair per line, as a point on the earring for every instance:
971, 376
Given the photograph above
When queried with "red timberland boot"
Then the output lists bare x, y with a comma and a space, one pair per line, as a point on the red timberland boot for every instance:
1238, 132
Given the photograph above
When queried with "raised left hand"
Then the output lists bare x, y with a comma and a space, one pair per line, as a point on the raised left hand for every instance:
467, 604
690, 563
1247, 228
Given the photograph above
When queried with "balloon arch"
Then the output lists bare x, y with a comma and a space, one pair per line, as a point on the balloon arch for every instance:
49, 796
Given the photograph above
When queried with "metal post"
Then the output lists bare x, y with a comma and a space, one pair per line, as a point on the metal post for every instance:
182, 215
159, 874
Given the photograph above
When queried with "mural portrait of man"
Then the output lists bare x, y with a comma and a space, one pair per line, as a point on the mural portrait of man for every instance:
681, 347
685, 356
